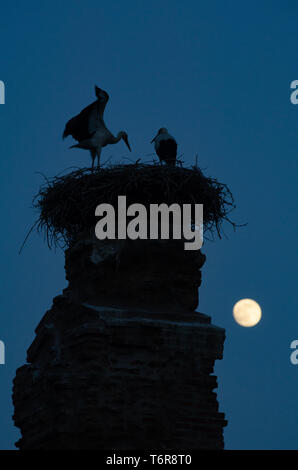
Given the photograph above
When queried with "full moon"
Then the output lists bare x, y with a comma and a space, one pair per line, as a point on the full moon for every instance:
247, 312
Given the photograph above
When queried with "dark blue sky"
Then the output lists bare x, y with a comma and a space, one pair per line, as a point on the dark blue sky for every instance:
217, 74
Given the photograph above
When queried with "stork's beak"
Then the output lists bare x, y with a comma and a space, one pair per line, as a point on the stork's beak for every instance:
126, 141
153, 139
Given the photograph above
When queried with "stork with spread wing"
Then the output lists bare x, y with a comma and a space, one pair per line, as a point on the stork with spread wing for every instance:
89, 129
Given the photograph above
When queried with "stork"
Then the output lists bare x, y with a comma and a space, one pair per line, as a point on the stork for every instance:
89, 129
165, 146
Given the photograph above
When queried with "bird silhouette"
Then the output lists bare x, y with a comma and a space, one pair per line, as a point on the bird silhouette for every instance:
89, 129
165, 147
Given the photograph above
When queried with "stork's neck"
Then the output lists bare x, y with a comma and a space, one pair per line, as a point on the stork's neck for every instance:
117, 138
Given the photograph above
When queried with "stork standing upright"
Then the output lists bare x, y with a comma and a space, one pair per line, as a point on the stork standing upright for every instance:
165, 147
89, 129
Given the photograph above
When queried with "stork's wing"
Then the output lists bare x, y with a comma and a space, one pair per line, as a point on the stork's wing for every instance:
80, 127
102, 97
96, 114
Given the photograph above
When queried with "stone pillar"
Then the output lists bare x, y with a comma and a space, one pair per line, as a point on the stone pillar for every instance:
122, 360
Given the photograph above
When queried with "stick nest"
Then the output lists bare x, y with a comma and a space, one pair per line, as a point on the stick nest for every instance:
67, 203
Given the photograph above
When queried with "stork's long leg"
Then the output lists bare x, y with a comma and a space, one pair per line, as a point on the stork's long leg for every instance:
98, 152
93, 155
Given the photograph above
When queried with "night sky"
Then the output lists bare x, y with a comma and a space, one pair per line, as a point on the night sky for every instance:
217, 75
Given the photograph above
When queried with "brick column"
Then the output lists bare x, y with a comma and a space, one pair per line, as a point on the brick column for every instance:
122, 360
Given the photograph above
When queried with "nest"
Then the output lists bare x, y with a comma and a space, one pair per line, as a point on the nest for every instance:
67, 203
